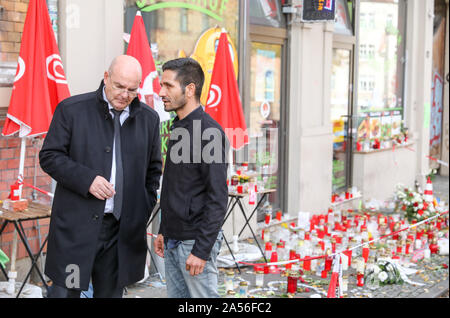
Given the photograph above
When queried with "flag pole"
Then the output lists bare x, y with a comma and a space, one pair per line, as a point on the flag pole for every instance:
23, 147
12, 274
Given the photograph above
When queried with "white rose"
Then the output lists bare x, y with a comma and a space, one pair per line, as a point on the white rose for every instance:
376, 270
382, 276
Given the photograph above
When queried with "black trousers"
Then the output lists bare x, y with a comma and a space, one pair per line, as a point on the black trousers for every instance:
105, 272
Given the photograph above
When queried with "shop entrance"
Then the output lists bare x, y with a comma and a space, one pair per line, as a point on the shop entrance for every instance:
341, 116
266, 115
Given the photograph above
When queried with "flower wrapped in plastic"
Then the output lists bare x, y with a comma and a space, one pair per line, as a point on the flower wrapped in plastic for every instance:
383, 272
413, 204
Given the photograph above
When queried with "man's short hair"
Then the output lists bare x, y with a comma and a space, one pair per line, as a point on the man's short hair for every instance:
188, 71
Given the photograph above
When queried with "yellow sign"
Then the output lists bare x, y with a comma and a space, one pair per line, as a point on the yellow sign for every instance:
205, 54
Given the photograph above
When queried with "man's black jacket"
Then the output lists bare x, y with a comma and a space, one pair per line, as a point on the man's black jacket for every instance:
194, 193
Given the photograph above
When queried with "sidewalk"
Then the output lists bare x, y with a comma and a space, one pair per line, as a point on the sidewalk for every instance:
432, 273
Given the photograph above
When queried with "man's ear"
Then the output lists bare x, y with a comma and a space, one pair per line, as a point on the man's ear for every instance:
190, 90
105, 77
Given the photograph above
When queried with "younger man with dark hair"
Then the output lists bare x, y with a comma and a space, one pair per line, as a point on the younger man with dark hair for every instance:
194, 192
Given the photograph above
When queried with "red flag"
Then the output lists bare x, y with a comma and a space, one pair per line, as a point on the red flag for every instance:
224, 102
40, 83
139, 48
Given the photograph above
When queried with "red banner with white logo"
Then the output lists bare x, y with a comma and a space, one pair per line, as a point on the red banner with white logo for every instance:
139, 48
224, 102
40, 83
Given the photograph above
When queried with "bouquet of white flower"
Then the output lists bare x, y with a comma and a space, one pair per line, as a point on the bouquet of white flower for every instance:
413, 204
383, 272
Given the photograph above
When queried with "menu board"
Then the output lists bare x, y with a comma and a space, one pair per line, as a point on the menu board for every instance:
396, 124
386, 126
363, 127
375, 125
318, 10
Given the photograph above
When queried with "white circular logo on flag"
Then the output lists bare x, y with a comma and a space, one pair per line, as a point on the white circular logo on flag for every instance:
215, 96
20, 69
53, 63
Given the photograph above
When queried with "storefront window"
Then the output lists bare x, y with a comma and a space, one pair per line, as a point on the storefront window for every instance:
340, 89
267, 12
186, 28
380, 68
343, 20
265, 115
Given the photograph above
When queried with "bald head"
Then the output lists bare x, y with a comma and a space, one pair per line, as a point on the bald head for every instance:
126, 64
122, 81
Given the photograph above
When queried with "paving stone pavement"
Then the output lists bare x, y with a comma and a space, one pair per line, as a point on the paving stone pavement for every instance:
431, 273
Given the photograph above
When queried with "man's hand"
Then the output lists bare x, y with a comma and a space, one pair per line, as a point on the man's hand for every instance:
101, 188
158, 244
195, 265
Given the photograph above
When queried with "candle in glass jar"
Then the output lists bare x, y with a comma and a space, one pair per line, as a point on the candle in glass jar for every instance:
328, 261
344, 286
268, 250
292, 282
307, 264
365, 252
407, 247
229, 280
259, 278
268, 217
360, 265
243, 289
434, 247
360, 280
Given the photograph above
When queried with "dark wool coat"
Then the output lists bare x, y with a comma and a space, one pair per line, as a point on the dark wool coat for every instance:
77, 148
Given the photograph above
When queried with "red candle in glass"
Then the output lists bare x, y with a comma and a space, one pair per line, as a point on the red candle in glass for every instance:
292, 254
328, 264
360, 278
322, 245
274, 257
434, 248
320, 233
292, 284
307, 264
407, 249
324, 274
278, 215
349, 254
365, 253
267, 218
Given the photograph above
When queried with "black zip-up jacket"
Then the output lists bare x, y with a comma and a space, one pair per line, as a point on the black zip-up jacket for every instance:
194, 193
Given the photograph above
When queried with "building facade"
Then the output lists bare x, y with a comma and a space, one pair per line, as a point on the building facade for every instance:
324, 102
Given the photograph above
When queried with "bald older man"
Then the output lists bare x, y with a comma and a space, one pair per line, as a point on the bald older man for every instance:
103, 149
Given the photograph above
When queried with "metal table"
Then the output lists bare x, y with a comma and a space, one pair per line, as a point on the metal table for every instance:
35, 211
236, 199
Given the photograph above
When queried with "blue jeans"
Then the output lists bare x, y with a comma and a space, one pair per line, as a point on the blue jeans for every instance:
180, 284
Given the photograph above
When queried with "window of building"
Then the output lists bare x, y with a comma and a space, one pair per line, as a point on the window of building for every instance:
267, 12
183, 20
380, 67
186, 28
343, 21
